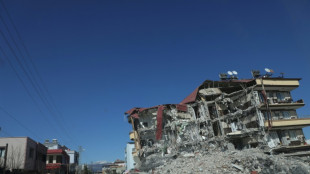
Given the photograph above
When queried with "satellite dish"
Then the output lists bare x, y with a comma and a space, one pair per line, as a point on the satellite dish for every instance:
230, 73
255, 73
235, 72
223, 76
267, 70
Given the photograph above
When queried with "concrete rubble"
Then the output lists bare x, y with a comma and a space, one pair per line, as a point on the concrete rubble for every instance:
227, 126
238, 161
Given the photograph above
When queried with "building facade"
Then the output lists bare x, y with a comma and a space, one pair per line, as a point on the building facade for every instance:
23, 154
74, 160
59, 158
57, 161
54, 144
130, 148
258, 112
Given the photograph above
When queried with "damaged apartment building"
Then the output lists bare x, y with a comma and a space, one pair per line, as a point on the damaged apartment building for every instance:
233, 113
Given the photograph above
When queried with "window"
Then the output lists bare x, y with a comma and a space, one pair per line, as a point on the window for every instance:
145, 124
261, 96
2, 152
59, 159
286, 114
276, 115
293, 135
31, 152
50, 159
270, 94
265, 115
280, 96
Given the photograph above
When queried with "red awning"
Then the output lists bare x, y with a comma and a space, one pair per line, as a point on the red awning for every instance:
159, 122
53, 166
182, 107
191, 97
54, 151
129, 112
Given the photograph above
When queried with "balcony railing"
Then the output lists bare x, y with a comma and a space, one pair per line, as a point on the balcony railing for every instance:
301, 122
275, 100
282, 117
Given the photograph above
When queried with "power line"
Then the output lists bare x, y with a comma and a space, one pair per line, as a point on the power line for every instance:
32, 80
27, 53
34, 85
20, 123
24, 85
50, 105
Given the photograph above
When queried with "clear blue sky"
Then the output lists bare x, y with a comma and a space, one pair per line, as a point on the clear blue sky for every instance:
101, 58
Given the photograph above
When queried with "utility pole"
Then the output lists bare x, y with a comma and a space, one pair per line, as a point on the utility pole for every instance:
5, 157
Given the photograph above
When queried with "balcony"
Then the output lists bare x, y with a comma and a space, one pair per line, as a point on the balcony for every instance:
281, 84
297, 150
133, 135
285, 123
283, 104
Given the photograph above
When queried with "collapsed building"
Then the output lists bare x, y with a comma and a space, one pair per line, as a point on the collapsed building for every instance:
230, 113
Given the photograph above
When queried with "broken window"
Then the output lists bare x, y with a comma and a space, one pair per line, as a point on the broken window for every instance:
293, 135
265, 115
273, 139
212, 112
233, 126
261, 97
145, 124
136, 124
216, 129
270, 94
276, 115
286, 114
196, 111
280, 96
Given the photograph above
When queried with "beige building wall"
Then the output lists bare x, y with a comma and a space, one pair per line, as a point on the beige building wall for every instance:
279, 82
23, 153
16, 151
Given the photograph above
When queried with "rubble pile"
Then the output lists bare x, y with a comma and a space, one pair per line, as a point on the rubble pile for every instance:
235, 161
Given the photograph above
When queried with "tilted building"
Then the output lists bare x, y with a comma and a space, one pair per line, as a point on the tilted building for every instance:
232, 113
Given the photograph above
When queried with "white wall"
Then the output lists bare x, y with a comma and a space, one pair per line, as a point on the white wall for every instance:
72, 155
129, 157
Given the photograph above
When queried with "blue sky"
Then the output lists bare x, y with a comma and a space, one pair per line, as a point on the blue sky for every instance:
100, 58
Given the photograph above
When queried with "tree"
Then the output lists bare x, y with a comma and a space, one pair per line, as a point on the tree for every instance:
15, 158
86, 170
